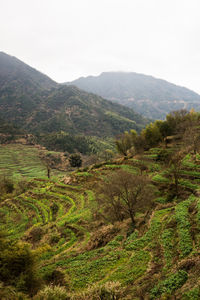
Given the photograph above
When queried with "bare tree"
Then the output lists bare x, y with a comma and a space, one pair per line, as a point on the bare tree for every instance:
191, 138
123, 194
175, 168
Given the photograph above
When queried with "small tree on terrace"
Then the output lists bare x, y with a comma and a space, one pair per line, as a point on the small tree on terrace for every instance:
123, 194
125, 142
191, 137
175, 165
75, 160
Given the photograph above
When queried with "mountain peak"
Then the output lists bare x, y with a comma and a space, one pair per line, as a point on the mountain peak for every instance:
147, 95
13, 69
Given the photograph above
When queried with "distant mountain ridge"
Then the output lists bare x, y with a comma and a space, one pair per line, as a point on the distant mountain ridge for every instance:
12, 69
38, 104
149, 96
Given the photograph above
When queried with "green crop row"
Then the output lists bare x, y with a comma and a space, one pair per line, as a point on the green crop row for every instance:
167, 239
183, 225
153, 232
133, 269
169, 285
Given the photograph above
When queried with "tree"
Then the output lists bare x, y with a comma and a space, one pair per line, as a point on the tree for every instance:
18, 265
125, 142
75, 160
152, 134
191, 137
175, 164
123, 194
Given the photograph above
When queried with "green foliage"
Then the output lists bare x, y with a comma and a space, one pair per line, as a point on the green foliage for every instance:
18, 161
169, 285
65, 142
17, 266
168, 245
75, 160
185, 240
83, 174
152, 134
133, 269
163, 155
61, 221
6, 185
134, 243
183, 125
193, 294
46, 107
160, 178
125, 142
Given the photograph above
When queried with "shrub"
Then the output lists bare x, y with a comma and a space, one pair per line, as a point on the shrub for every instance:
18, 267
54, 208
193, 294
55, 277
36, 234
9, 292
52, 293
6, 185
109, 291
75, 160
163, 155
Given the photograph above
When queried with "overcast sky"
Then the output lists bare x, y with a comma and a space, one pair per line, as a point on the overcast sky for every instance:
66, 39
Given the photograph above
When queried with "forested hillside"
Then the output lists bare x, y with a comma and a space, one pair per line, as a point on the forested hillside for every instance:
147, 95
37, 105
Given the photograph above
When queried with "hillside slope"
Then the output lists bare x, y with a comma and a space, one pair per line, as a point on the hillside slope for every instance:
37, 104
159, 260
149, 96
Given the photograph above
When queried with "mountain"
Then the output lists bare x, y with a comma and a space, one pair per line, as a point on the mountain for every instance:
21, 89
37, 104
149, 96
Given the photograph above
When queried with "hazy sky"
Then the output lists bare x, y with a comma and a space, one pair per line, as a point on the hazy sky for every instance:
66, 39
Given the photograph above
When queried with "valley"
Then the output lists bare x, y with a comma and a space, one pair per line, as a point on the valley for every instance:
159, 258
96, 201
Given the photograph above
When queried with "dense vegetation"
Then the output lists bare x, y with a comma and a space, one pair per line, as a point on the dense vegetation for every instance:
60, 117
93, 236
151, 97
179, 127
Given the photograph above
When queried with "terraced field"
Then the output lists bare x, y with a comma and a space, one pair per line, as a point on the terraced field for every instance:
19, 161
158, 260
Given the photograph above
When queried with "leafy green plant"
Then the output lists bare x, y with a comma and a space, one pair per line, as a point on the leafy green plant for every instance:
183, 224
193, 294
169, 285
168, 245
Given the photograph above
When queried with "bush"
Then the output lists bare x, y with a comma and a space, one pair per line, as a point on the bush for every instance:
18, 267
9, 292
6, 185
55, 277
52, 293
75, 160
163, 155
36, 234
109, 291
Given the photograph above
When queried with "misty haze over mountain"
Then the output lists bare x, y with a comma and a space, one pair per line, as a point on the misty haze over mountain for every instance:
147, 95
